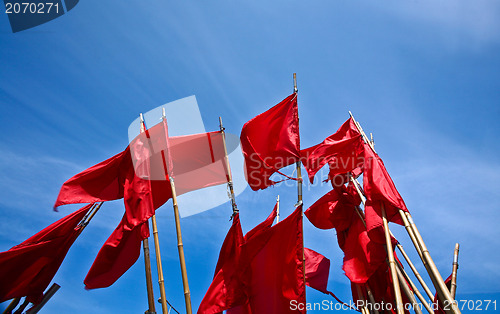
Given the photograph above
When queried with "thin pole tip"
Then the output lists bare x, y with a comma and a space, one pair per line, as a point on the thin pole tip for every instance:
163, 115
141, 117
457, 246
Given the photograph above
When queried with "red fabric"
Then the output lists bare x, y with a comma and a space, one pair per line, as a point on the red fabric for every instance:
271, 141
269, 272
274, 260
317, 270
362, 255
27, 268
226, 290
340, 150
120, 251
333, 210
379, 189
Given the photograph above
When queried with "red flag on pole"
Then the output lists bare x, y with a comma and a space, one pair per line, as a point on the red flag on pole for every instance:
317, 270
226, 290
27, 268
379, 189
269, 271
340, 150
271, 141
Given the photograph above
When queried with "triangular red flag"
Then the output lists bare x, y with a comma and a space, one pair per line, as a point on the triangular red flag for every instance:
271, 141
27, 268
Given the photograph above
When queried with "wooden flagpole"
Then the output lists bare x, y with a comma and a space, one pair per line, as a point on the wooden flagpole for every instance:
12, 305
180, 245
278, 209
407, 291
364, 309
229, 174
415, 290
371, 298
419, 244
415, 272
392, 262
453, 289
147, 258
298, 165
437, 280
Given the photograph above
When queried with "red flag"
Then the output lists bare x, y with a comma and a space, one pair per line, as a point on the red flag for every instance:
226, 290
274, 260
334, 209
362, 256
379, 189
340, 150
27, 268
120, 251
271, 141
317, 270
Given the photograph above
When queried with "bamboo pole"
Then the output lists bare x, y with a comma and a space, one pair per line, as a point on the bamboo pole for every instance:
453, 289
364, 309
416, 273
230, 184
12, 305
147, 256
21, 308
180, 247
46, 297
161, 281
415, 290
429, 264
298, 165
371, 298
437, 280
392, 263
409, 294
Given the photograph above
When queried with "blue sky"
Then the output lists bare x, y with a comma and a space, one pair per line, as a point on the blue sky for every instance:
423, 76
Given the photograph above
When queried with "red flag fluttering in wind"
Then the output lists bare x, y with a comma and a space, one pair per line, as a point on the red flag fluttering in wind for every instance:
271, 141
27, 268
317, 270
379, 189
269, 270
340, 150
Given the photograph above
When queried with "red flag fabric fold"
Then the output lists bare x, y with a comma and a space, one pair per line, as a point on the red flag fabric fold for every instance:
226, 290
334, 209
27, 268
271, 141
341, 150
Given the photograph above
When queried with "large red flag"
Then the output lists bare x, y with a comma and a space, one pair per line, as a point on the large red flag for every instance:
362, 256
340, 150
273, 259
271, 141
27, 268
379, 189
